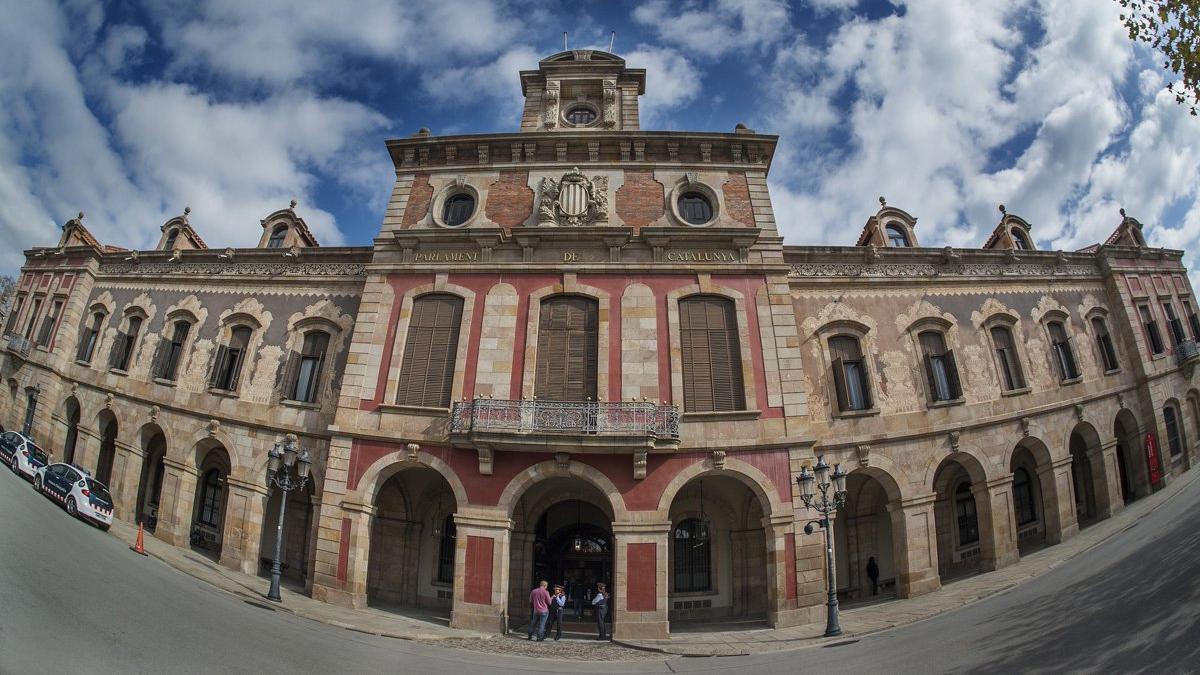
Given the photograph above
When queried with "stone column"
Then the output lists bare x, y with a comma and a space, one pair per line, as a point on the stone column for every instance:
126, 474
1058, 500
176, 502
520, 571
343, 551
87, 447
784, 589
310, 553
914, 537
640, 584
1108, 494
242, 530
997, 523
481, 556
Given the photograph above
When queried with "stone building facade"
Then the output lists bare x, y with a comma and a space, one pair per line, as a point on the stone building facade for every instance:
582, 352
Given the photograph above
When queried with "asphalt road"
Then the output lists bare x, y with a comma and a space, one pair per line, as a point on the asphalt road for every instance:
75, 600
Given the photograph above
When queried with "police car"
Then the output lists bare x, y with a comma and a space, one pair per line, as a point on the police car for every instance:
21, 455
74, 488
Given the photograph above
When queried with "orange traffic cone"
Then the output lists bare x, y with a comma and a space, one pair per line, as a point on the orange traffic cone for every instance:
137, 548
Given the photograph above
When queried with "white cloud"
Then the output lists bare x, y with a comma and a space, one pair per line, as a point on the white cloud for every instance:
672, 81
496, 80
712, 29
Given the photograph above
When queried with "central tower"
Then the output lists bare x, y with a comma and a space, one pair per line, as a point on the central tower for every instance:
582, 90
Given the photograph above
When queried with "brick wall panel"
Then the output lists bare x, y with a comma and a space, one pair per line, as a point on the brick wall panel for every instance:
640, 199
510, 199
419, 198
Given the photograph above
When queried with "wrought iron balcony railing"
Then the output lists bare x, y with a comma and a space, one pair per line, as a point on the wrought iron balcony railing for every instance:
17, 344
1187, 352
565, 417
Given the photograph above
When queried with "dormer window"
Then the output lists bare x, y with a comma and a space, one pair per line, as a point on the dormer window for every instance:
581, 116
278, 235
1020, 241
897, 238
171, 237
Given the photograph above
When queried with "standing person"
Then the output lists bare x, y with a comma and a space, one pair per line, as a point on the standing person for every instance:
539, 601
557, 602
600, 604
873, 573
578, 591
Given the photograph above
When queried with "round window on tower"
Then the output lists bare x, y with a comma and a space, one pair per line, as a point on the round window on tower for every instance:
580, 115
695, 208
458, 209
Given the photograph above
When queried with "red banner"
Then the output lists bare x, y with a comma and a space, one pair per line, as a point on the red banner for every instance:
1152, 459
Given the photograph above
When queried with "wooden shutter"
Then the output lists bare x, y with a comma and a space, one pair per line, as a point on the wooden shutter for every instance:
839, 385
161, 354
568, 340
285, 377
120, 344
952, 374
217, 367
427, 370
711, 354
930, 376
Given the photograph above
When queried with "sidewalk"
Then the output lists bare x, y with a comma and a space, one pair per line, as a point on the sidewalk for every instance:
253, 589
855, 622
863, 620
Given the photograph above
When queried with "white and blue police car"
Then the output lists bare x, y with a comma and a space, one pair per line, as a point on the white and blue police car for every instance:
74, 488
21, 454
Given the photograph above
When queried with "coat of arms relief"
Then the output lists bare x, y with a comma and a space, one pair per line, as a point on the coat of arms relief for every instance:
573, 200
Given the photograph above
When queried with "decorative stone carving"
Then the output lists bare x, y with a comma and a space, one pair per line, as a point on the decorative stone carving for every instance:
1025, 423
871, 254
1079, 411
850, 269
573, 200
639, 464
672, 152
864, 454
482, 150
562, 461
154, 413
610, 104
108, 400
486, 460
277, 269
550, 105
1120, 401
955, 437
412, 449
718, 459
214, 425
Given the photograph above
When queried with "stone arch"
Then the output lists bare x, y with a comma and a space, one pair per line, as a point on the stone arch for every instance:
439, 285
1035, 495
533, 320
189, 453
153, 443
521, 483
1133, 472
108, 426
749, 475
392, 463
1089, 474
968, 539
979, 470
72, 415
209, 518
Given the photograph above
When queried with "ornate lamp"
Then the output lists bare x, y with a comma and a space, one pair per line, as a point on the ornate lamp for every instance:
825, 503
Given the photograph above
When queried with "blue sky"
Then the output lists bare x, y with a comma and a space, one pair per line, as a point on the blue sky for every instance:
132, 111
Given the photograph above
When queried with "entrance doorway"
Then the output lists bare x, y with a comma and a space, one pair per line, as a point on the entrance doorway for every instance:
574, 552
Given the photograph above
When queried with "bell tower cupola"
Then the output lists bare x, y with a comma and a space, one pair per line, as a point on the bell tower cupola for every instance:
582, 90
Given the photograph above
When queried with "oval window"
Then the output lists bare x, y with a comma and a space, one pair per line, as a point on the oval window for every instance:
695, 208
581, 115
458, 209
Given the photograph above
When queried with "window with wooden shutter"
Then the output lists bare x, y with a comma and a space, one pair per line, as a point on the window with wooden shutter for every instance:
712, 355
1104, 342
568, 339
227, 367
91, 335
309, 364
849, 374
941, 372
1064, 355
427, 371
169, 353
1006, 358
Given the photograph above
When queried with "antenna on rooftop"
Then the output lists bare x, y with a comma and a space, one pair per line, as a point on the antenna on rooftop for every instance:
611, 39
564, 40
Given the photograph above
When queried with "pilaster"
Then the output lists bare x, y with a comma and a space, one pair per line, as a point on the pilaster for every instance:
640, 580
914, 527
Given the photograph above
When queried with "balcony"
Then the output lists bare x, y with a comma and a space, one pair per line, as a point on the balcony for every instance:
566, 426
1187, 352
18, 345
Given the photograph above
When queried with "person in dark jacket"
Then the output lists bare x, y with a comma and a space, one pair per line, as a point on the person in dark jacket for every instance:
600, 604
558, 602
873, 574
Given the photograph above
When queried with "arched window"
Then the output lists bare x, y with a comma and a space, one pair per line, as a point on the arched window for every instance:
227, 366
941, 371
210, 500
897, 238
1150, 324
122, 351
695, 208
1023, 497
964, 510
849, 374
568, 338
445, 568
1104, 342
581, 115
693, 556
307, 366
458, 209
169, 353
91, 335
1006, 358
278, 235
427, 371
711, 355
1063, 354
1174, 432
1020, 241
172, 235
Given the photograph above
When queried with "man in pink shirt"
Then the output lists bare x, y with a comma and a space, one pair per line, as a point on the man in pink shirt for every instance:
539, 600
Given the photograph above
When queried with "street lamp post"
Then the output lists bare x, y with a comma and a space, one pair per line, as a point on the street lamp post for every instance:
287, 470
825, 504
